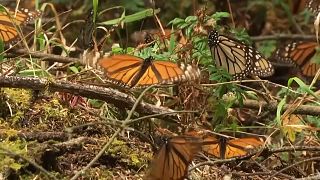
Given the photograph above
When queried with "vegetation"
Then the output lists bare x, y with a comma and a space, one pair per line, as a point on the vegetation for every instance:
62, 118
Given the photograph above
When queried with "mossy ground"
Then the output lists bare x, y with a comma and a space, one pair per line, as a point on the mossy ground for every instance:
47, 113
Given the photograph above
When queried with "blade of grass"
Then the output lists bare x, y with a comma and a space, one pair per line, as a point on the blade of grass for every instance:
131, 18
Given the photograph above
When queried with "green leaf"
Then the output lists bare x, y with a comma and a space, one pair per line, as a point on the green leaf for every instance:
279, 109
219, 15
95, 103
117, 50
182, 26
303, 86
95, 9
131, 18
2, 9
42, 41
176, 21
191, 19
172, 42
74, 69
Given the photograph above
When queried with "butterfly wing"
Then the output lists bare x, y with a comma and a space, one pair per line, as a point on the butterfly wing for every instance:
133, 71
171, 163
121, 69
223, 148
300, 54
314, 6
229, 54
260, 66
162, 72
310, 69
232, 152
211, 146
237, 58
87, 31
242, 146
8, 31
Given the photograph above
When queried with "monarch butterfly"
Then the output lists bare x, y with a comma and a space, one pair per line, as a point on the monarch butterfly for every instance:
171, 162
301, 54
87, 32
8, 31
314, 6
140, 36
237, 58
149, 41
133, 71
224, 148
148, 38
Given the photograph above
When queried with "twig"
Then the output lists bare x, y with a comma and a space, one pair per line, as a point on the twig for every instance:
285, 37
251, 81
262, 174
292, 165
293, 148
73, 143
209, 162
42, 56
316, 177
38, 136
231, 14
272, 106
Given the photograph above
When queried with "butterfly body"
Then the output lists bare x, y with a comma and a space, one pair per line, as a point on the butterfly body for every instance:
8, 23
131, 71
143, 68
224, 148
237, 58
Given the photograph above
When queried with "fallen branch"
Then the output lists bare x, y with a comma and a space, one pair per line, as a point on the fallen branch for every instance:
122, 100
37, 136
70, 145
109, 95
43, 56
272, 106
285, 37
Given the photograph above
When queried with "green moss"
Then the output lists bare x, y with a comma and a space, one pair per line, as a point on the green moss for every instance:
16, 117
13, 102
12, 147
99, 173
129, 155
54, 109
51, 115
20, 97
135, 159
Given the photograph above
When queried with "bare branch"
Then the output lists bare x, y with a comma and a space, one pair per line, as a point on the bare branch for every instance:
109, 95
42, 56
285, 37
